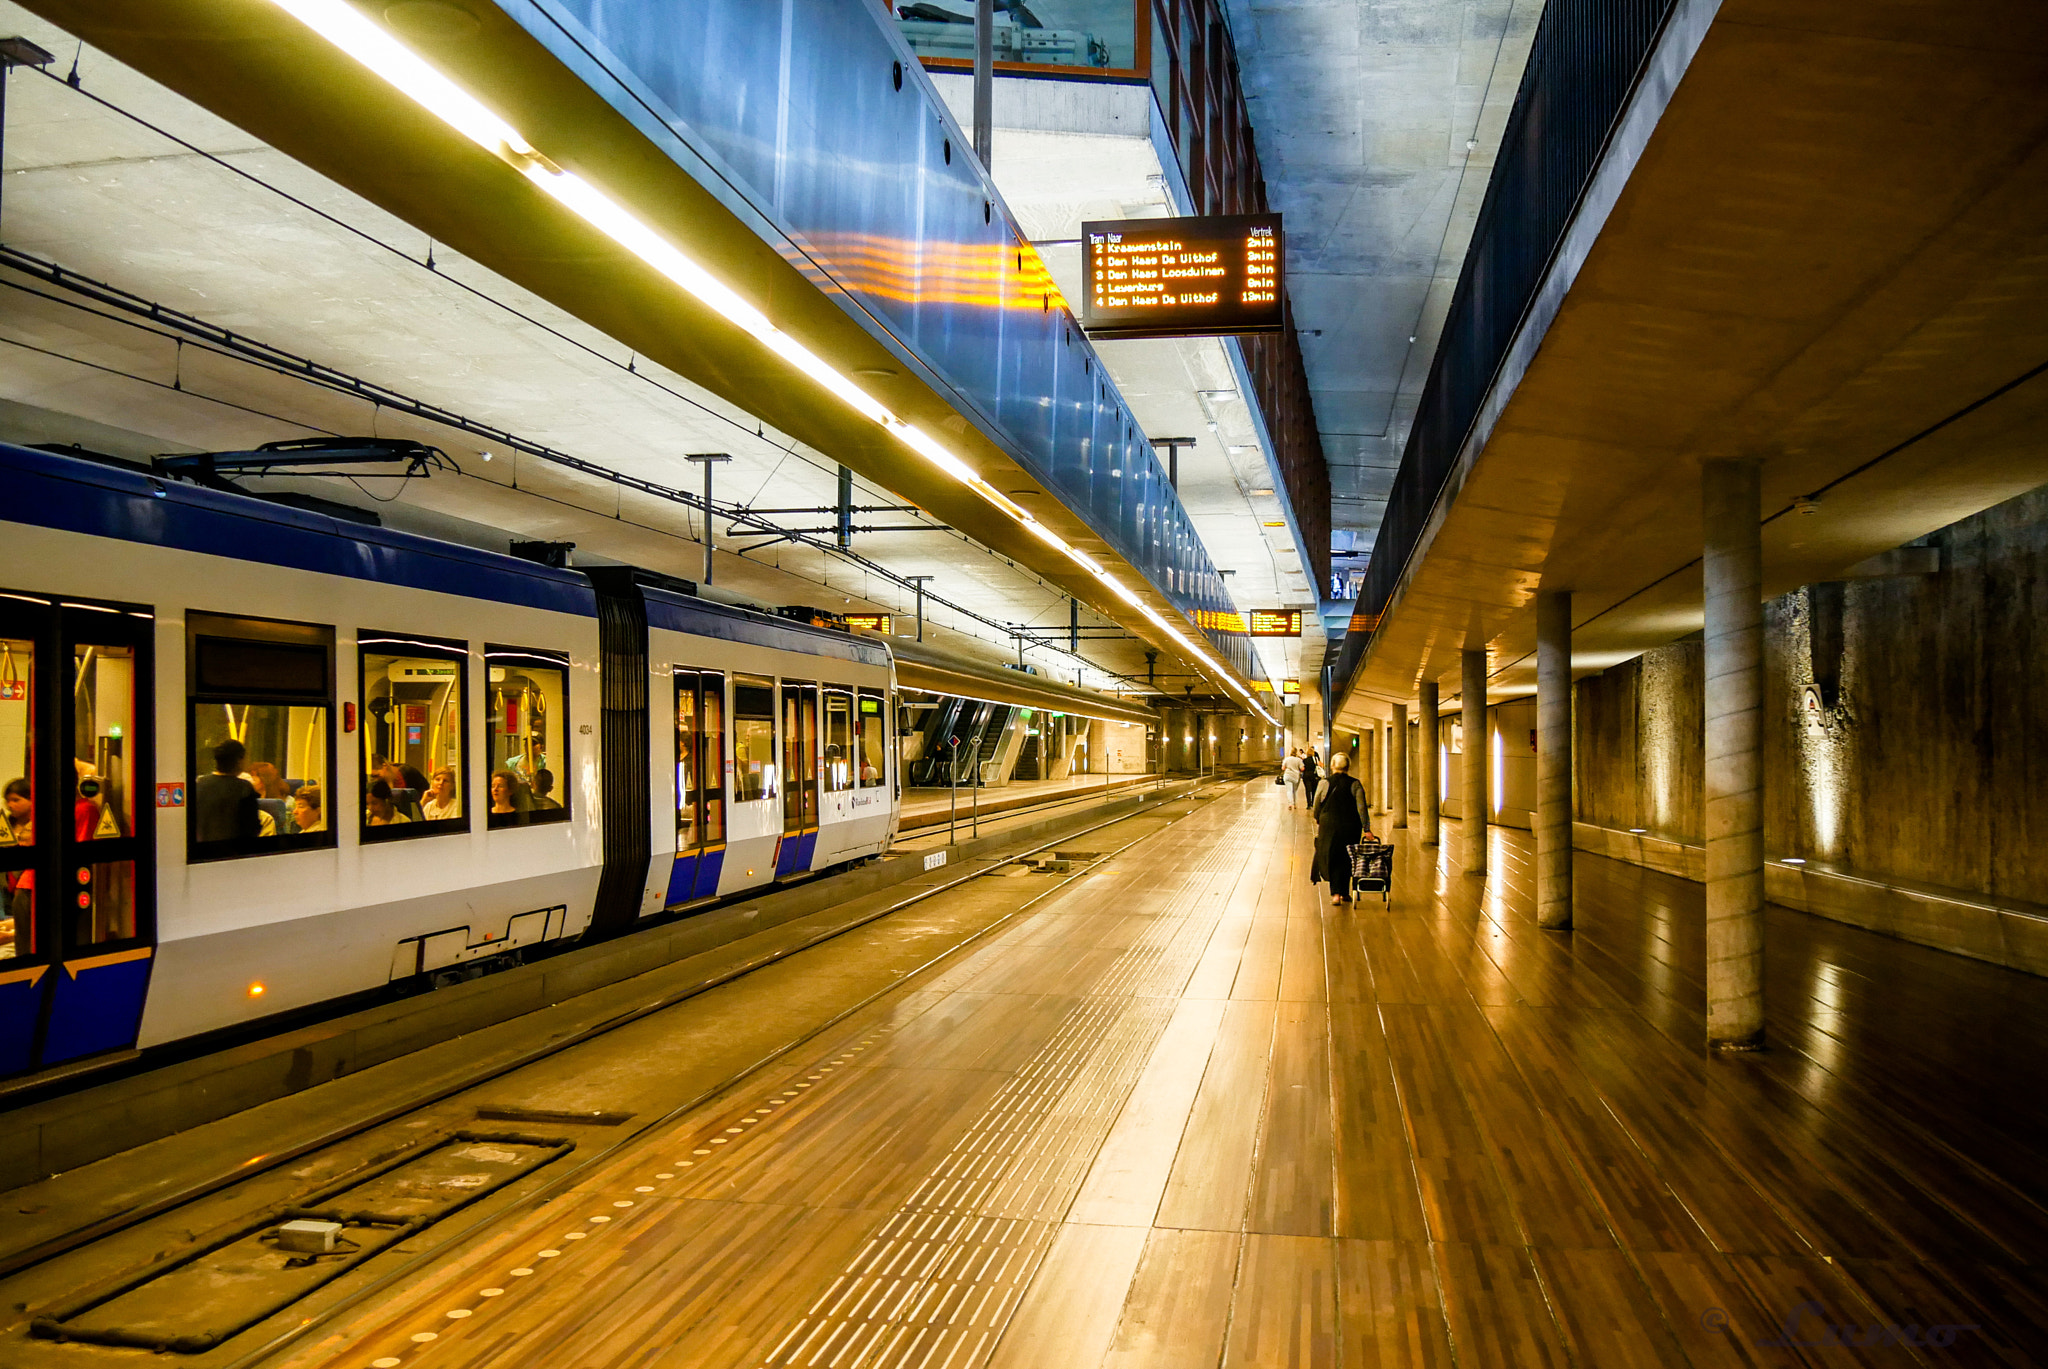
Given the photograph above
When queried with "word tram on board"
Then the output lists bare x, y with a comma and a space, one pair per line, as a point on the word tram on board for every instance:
1200, 277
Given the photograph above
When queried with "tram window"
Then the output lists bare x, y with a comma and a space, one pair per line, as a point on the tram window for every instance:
799, 756
17, 809
261, 697
839, 749
413, 738
700, 759
712, 750
103, 741
105, 903
528, 703
689, 761
753, 739
874, 742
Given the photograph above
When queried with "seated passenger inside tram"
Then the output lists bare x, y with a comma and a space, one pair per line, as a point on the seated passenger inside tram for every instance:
441, 800
379, 808
307, 815
224, 803
19, 829
508, 793
544, 789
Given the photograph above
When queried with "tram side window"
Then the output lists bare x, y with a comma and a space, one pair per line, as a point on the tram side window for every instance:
700, 759
528, 703
103, 805
17, 822
753, 739
839, 750
711, 749
261, 697
414, 780
874, 742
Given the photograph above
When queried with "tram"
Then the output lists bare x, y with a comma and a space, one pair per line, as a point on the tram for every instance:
257, 758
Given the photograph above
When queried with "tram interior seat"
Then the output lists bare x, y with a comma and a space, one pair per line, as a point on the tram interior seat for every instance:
280, 811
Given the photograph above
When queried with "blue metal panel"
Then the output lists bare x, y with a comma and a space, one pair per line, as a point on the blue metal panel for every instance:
21, 1002
708, 867
793, 856
98, 1008
682, 881
791, 115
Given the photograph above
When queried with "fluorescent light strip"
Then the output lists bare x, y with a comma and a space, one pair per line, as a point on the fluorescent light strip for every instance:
350, 30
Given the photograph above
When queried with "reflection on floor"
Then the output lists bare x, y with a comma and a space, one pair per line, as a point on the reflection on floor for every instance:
1187, 1113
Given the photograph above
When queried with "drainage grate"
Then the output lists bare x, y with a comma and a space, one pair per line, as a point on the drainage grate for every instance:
543, 1117
239, 1276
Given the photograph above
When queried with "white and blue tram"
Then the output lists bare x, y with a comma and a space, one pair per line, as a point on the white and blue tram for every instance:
256, 758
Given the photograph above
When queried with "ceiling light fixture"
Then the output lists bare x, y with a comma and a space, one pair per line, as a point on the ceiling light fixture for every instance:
351, 31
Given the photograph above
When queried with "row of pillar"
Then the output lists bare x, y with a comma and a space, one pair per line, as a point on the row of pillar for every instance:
1733, 565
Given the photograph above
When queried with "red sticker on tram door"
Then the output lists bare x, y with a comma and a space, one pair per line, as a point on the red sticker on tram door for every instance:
170, 796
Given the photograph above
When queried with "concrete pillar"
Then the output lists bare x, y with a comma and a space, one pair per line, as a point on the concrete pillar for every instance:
1554, 759
1397, 758
1731, 505
1428, 740
1473, 706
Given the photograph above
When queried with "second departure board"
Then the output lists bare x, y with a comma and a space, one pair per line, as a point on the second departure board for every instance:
1182, 277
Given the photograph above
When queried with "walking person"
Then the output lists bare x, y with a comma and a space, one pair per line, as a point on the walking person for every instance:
1290, 769
1340, 823
1309, 775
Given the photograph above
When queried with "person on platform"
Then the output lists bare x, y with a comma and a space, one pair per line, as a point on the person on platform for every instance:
1311, 773
1290, 770
1340, 823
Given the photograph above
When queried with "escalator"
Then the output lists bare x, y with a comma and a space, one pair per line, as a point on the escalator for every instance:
979, 728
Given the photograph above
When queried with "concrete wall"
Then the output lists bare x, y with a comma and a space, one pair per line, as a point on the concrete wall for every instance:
1640, 730
1907, 722
1116, 748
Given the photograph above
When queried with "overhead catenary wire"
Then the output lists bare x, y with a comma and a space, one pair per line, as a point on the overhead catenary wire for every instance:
122, 306
753, 428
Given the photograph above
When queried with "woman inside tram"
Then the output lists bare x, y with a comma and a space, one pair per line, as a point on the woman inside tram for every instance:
508, 794
382, 808
19, 829
307, 815
441, 800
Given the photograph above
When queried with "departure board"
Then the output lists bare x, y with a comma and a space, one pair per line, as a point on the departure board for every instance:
1275, 622
1200, 277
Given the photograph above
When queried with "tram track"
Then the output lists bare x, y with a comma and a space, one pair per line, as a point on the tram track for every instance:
523, 1197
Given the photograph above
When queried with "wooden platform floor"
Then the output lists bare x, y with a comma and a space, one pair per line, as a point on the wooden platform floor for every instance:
1187, 1114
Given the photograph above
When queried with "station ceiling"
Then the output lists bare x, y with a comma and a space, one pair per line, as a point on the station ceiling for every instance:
1829, 255
531, 324
1377, 126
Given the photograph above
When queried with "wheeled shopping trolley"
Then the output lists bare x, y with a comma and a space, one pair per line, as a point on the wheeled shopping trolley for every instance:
1372, 869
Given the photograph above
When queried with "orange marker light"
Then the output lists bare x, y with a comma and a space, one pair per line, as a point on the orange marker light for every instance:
255, 991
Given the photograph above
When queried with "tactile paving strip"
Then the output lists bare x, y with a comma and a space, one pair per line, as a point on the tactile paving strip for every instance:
935, 1285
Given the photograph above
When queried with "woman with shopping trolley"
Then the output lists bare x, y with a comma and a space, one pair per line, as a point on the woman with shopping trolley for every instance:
1340, 814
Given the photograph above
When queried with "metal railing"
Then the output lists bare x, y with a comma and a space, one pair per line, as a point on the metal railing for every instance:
1582, 66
